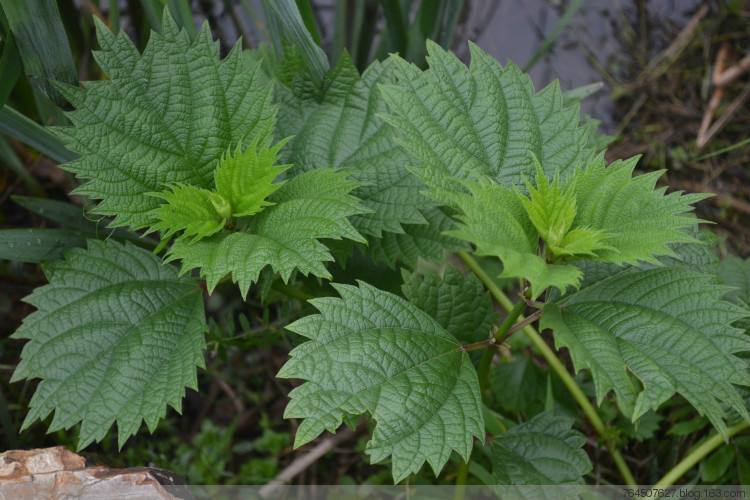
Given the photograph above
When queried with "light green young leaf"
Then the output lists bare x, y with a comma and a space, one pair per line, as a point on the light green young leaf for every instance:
373, 352
458, 302
285, 235
197, 212
640, 221
245, 177
550, 207
162, 117
581, 241
482, 120
544, 450
116, 337
494, 219
667, 327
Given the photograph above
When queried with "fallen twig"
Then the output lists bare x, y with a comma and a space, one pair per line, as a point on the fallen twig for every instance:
716, 97
305, 461
729, 75
719, 124
661, 62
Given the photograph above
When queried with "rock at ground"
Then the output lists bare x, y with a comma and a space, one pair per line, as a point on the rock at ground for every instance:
52, 473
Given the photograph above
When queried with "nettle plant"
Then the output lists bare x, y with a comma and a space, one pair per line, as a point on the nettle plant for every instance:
252, 174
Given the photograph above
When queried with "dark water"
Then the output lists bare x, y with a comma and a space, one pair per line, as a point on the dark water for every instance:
600, 37
594, 38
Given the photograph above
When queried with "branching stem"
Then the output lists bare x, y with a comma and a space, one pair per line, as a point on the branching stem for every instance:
557, 365
697, 454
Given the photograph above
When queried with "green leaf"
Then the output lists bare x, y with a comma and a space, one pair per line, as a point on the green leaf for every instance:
418, 241
197, 212
285, 235
543, 450
518, 386
716, 465
162, 117
648, 334
37, 245
640, 221
373, 352
735, 272
550, 208
459, 303
342, 129
245, 178
116, 337
494, 219
467, 122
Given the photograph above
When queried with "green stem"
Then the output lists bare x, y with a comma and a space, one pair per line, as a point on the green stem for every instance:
486, 361
697, 454
557, 365
463, 474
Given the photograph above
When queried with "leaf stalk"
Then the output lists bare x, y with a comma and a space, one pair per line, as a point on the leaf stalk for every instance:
557, 365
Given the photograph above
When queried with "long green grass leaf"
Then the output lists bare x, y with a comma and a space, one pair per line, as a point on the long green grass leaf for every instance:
17, 126
557, 30
42, 44
396, 27
286, 26
308, 17
37, 245
10, 159
10, 68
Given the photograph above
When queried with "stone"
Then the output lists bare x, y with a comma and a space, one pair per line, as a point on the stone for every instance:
51, 473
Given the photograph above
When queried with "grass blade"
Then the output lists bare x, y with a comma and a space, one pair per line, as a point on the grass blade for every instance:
42, 45
17, 126
37, 245
183, 16
69, 216
152, 11
286, 26
113, 15
306, 12
582, 92
9, 158
396, 27
339, 30
10, 68
557, 30
451, 10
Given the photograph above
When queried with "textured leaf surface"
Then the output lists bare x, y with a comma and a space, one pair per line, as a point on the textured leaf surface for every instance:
195, 212
342, 129
284, 236
116, 337
543, 450
494, 219
639, 220
425, 241
484, 119
245, 177
458, 302
735, 272
668, 327
165, 116
372, 351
